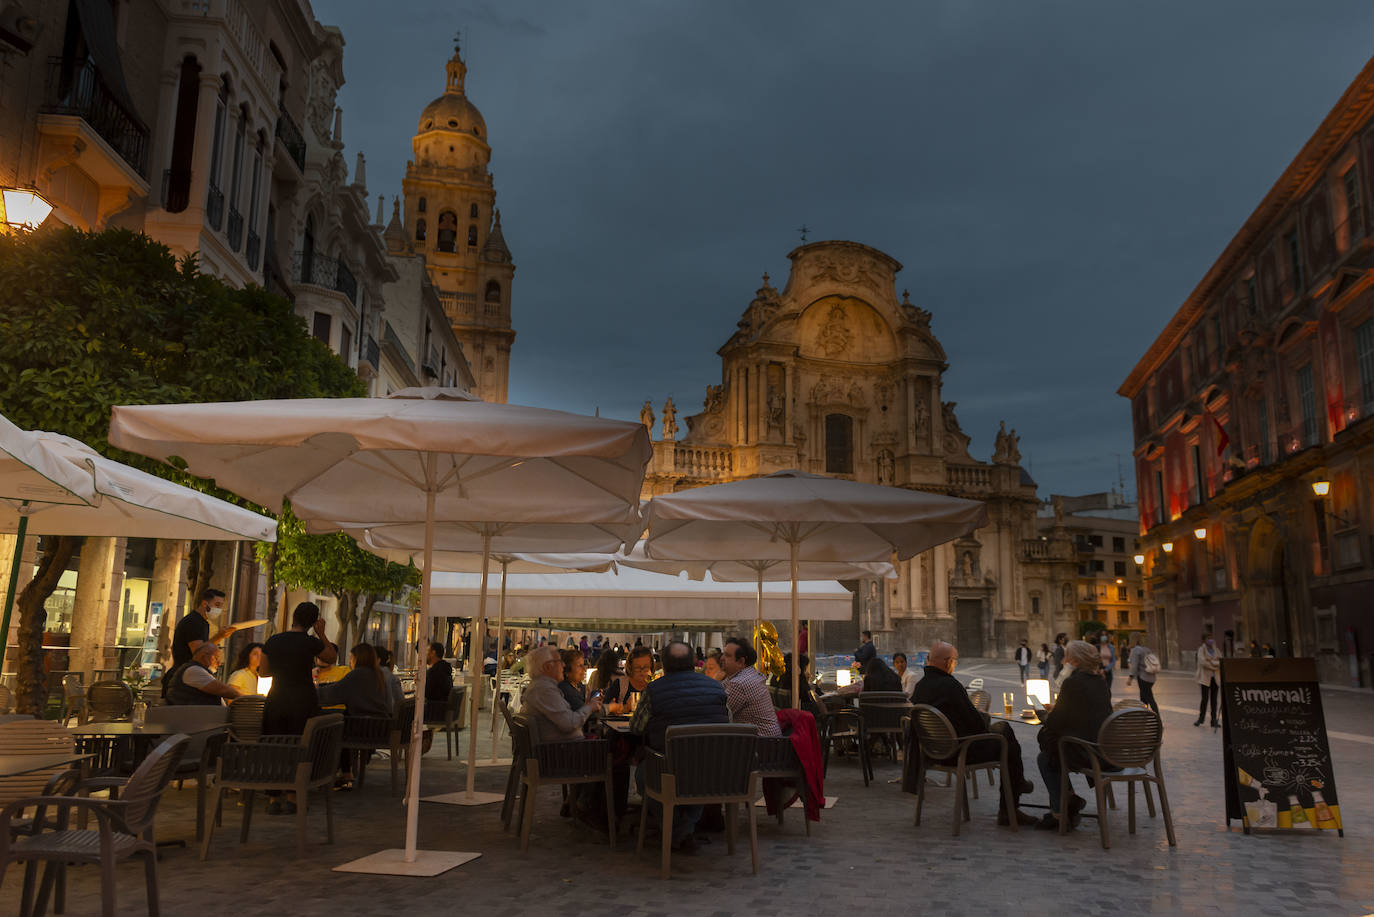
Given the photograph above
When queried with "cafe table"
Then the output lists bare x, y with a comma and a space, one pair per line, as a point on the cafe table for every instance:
139, 741
19, 765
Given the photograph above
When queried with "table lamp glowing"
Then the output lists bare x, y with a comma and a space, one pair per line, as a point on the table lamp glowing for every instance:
843, 678
1039, 689
264, 684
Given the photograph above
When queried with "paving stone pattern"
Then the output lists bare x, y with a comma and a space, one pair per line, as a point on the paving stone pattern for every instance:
865, 853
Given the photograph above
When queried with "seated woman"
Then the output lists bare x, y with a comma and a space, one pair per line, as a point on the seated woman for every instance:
607, 667
246, 669
625, 690
878, 677
574, 671
710, 666
361, 692
393, 683
1082, 705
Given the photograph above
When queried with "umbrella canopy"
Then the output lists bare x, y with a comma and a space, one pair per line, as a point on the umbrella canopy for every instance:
51, 484
417, 457
804, 518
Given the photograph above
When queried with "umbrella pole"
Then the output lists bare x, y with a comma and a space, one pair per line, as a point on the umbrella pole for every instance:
500, 635
796, 657
479, 637
14, 581
758, 621
417, 730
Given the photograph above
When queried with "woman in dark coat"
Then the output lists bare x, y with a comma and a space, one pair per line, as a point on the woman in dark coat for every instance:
1083, 704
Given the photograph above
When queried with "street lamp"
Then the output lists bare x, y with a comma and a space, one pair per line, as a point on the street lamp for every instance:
25, 208
1168, 547
1200, 534
1140, 560
1321, 488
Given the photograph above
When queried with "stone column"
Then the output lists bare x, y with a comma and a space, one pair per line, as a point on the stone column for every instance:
789, 379
939, 566
167, 119
99, 602
910, 399
205, 139
168, 586
27, 560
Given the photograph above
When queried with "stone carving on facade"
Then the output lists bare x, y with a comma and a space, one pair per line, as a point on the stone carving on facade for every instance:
827, 391
856, 394
715, 398
1006, 451
843, 269
887, 467
882, 393
775, 410
669, 419
914, 313
319, 110
835, 337
646, 415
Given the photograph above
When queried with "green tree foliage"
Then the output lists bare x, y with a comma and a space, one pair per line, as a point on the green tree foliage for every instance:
336, 565
1089, 630
92, 320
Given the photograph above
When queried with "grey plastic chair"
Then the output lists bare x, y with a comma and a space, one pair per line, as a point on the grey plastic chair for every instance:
245, 717
207, 728
938, 742
1126, 751
447, 715
882, 713
363, 734
108, 700
566, 763
777, 760
124, 829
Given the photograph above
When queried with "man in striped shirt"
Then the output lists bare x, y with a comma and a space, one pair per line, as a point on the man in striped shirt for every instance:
745, 690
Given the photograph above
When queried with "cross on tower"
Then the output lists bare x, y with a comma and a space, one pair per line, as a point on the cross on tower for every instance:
457, 41
803, 232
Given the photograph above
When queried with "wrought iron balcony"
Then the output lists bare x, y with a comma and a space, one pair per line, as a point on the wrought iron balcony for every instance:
80, 90
214, 207
251, 253
322, 271
235, 232
176, 190
290, 136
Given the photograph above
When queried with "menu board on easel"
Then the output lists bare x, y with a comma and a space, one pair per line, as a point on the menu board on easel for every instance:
148, 657
1277, 758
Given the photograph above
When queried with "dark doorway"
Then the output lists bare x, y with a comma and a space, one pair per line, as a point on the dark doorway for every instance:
969, 629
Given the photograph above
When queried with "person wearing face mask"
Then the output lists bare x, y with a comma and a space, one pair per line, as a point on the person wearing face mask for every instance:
1208, 667
194, 629
939, 688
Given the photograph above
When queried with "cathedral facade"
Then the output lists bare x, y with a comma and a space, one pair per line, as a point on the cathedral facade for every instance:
449, 219
835, 374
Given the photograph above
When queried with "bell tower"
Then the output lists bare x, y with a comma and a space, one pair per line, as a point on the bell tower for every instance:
451, 218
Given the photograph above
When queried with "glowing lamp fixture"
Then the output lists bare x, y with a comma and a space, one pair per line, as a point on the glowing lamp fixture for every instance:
264, 685
25, 208
1140, 560
1168, 547
1038, 689
1200, 534
1321, 488
843, 678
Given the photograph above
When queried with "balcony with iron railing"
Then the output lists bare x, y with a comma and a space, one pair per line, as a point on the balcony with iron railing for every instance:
250, 254
291, 138
214, 207
235, 229
79, 90
322, 271
176, 190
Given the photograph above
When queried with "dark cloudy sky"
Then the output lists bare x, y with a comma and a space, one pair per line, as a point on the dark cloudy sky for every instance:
1055, 176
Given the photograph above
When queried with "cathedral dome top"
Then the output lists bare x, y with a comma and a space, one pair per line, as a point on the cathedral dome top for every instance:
453, 111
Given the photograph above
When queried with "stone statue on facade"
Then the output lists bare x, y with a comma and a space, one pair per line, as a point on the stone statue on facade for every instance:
886, 467
1013, 448
999, 449
775, 409
669, 419
646, 415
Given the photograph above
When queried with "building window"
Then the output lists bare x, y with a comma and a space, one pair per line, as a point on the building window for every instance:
1251, 299
1118, 545
1035, 605
1350, 184
1095, 540
216, 198
420, 206
1122, 594
1098, 566
255, 186
1265, 455
1294, 261
1199, 487
1163, 506
839, 444
1364, 355
345, 342
323, 327
472, 237
1307, 404
493, 291
420, 230
236, 171
1119, 567
308, 250
448, 231
472, 212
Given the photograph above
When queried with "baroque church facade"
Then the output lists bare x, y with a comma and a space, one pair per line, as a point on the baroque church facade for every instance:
835, 374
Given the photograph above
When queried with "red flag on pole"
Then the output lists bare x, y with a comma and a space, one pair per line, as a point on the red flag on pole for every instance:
1225, 437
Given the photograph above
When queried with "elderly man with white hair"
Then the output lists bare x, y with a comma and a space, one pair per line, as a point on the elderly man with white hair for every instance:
552, 718
1084, 702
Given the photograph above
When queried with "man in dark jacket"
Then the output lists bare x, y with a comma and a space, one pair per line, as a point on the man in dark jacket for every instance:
1084, 702
194, 682
866, 650
439, 678
941, 690
681, 697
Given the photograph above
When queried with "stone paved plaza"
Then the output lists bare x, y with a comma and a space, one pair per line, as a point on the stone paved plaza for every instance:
865, 853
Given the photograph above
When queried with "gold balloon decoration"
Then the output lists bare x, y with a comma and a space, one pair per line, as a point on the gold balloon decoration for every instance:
766, 644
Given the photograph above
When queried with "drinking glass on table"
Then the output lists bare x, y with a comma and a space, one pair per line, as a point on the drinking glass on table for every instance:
1007, 698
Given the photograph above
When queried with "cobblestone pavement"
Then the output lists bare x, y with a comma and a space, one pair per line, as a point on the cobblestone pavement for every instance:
864, 853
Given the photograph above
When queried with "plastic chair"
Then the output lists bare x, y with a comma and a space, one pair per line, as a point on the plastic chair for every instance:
245, 717
297, 763
843, 724
204, 726
777, 760
882, 713
32, 736
713, 763
938, 742
107, 701
980, 699
1127, 745
567, 763
447, 715
402, 728
363, 734
6, 700
124, 828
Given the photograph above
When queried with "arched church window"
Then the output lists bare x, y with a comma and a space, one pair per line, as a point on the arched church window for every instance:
420, 205
472, 237
493, 291
448, 231
839, 444
420, 230
472, 211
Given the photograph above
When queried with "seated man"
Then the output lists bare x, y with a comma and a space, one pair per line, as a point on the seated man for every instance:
683, 696
746, 692
194, 681
439, 678
1083, 703
939, 688
908, 676
552, 718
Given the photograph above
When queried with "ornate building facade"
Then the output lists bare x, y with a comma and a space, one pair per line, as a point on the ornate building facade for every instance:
450, 219
836, 374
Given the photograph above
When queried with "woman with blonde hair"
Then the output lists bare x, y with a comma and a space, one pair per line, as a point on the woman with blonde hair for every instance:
1083, 704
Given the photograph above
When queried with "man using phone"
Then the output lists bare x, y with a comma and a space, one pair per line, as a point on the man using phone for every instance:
552, 718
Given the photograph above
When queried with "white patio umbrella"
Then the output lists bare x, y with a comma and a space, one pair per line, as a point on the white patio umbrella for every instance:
51, 484
420, 456
458, 550
800, 518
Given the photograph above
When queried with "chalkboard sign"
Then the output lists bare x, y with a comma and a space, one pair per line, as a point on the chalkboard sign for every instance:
1278, 762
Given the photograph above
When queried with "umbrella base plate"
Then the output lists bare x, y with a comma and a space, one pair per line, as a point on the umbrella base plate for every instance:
462, 798
393, 862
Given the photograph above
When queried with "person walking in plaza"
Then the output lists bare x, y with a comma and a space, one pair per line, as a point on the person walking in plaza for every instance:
1142, 668
1108, 654
1023, 660
939, 688
866, 650
746, 692
1042, 660
1208, 671
1060, 641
